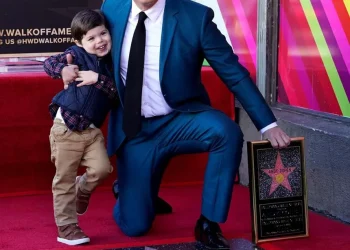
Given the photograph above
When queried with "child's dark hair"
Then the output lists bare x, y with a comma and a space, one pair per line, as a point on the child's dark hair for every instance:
84, 21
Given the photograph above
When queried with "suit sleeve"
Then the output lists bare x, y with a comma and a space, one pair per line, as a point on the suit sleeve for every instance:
221, 58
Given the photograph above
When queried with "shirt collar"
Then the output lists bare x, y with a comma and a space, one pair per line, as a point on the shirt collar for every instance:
152, 13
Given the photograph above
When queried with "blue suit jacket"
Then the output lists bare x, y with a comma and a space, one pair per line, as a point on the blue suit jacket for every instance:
188, 36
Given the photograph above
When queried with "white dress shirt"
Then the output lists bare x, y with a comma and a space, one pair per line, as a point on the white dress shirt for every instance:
152, 102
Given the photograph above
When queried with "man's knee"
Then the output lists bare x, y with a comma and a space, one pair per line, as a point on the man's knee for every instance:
133, 223
137, 229
228, 132
134, 226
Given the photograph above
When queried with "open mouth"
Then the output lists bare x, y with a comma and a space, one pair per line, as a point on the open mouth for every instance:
103, 47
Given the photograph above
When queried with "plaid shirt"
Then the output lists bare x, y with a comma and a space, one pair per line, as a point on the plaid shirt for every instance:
53, 67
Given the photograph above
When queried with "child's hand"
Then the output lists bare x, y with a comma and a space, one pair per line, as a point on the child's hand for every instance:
69, 74
87, 78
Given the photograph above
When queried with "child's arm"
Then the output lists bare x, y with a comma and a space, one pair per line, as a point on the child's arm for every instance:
107, 85
54, 65
101, 82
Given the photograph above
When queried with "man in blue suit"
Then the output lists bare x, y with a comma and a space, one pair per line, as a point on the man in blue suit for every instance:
158, 51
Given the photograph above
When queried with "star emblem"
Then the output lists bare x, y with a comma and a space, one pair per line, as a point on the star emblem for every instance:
279, 175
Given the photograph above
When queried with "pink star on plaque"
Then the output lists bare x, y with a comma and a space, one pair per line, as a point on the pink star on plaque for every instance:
279, 175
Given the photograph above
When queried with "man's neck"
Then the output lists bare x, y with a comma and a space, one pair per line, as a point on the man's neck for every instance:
145, 6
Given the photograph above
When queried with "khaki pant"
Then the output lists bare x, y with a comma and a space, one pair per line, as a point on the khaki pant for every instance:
69, 150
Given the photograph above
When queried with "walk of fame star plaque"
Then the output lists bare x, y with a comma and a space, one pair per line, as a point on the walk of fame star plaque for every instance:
278, 191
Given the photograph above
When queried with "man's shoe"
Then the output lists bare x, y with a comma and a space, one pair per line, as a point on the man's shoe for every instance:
72, 235
209, 234
162, 207
82, 199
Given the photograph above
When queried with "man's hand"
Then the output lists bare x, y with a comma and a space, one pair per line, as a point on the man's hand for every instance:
70, 72
277, 137
87, 78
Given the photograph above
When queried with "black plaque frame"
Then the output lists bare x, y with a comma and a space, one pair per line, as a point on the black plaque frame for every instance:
292, 210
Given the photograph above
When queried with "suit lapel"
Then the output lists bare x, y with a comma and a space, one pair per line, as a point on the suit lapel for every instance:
168, 30
121, 20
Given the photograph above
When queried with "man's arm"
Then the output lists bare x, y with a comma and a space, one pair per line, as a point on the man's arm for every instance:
272, 125
221, 58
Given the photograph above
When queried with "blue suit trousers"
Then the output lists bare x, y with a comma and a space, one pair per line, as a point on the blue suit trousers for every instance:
142, 161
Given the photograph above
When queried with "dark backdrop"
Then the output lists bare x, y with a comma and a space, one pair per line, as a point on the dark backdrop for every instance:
19, 19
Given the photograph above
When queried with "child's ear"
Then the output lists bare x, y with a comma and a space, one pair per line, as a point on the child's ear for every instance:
78, 43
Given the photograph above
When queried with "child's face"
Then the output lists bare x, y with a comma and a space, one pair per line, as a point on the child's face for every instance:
97, 41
